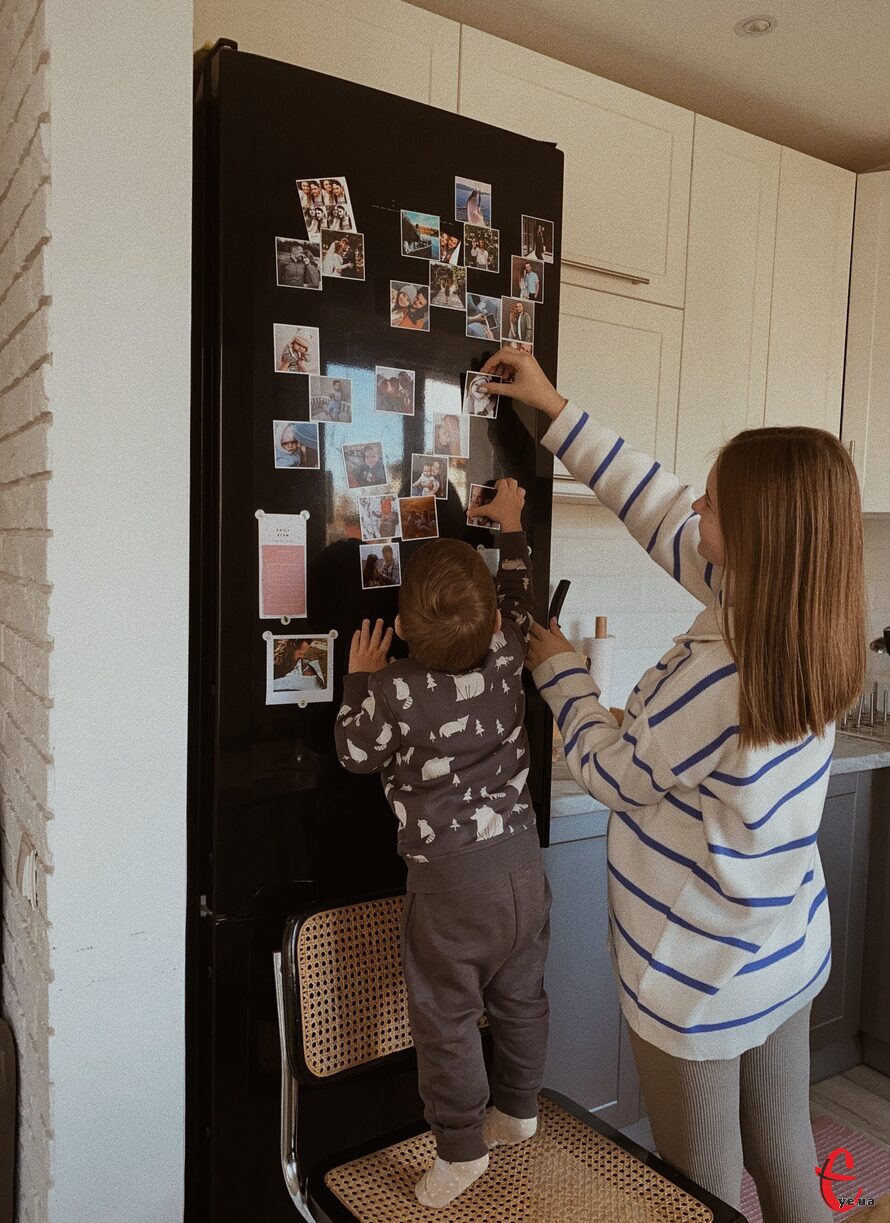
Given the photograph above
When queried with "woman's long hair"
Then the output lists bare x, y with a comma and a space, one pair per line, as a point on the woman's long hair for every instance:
788, 502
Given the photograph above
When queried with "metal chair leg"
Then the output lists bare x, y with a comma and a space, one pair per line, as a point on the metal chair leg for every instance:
289, 1166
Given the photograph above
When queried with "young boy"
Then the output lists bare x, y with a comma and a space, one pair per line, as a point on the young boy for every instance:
445, 728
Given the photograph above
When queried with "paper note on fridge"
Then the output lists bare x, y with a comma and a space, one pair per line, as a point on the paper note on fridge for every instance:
282, 548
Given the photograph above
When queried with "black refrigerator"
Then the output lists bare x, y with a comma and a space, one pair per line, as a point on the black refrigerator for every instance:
275, 823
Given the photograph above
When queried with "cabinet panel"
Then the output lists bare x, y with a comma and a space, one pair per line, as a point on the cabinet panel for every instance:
620, 360
811, 274
627, 162
732, 228
866, 417
386, 45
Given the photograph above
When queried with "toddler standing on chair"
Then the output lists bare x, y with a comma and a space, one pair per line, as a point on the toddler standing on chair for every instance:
445, 729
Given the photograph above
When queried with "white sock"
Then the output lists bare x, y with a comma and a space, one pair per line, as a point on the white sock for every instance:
444, 1181
502, 1130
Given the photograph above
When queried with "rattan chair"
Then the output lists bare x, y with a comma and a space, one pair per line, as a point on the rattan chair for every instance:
342, 1009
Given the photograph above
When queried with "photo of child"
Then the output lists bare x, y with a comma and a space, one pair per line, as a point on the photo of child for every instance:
420, 235
418, 518
395, 390
472, 201
451, 242
380, 566
298, 669
297, 263
527, 278
480, 495
483, 317
451, 434
477, 400
429, 476
537, 239
330, 399
518, 321
296, 349
378, 517
481, 248
364, 465
409, 305
448, 286
296, 444
342, 255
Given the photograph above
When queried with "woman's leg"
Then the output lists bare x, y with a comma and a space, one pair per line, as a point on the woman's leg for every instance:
775, 1112
694, 1114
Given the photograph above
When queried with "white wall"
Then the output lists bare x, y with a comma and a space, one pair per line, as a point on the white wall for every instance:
877, 576
118, 562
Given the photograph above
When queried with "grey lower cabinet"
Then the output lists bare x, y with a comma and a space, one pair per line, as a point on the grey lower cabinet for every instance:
875, 1016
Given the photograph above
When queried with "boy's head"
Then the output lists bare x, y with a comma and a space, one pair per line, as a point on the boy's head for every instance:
448, 608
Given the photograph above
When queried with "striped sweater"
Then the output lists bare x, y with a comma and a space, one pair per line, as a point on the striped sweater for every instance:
718, 914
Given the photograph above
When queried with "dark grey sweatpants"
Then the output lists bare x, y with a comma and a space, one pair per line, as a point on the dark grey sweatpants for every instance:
465, 951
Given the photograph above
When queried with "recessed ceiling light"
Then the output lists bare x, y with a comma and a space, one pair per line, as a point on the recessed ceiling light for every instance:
752, 26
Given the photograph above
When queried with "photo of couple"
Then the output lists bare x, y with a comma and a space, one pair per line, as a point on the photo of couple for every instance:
537, 239
451, 242
527, 278
342, 255
409, 305
381, 566
297, 263
420, 235
325, 204
481, 248
448, 286
395, 390
518, 321
429, 476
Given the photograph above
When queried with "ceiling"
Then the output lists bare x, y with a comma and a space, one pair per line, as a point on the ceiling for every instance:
819, 82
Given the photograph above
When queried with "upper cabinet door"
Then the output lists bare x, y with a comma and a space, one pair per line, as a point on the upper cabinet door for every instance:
811, 275
627, 164
729, 271
866, 423
386, 45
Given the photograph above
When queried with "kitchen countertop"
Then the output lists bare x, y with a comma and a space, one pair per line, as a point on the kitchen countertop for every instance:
851, 755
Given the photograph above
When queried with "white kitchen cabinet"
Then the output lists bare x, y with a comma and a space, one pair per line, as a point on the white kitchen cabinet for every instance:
811, 274
620, 360
866, 418
627, 164
388, 45
729, 272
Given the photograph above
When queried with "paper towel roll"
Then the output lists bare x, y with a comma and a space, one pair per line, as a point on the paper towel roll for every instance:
601, 652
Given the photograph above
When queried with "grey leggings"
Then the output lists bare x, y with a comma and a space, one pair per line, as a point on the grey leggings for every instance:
711, 1119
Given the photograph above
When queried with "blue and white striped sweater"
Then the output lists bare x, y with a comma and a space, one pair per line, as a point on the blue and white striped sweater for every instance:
718, 912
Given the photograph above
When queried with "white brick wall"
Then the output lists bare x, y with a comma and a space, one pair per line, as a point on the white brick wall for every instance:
24, 591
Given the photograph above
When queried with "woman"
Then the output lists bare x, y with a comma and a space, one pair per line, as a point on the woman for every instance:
520, 324
417, 316
405, 295
370, 576
715, 779
446, 291
475, 215
339, 218
447, 435
303, 674
316, 221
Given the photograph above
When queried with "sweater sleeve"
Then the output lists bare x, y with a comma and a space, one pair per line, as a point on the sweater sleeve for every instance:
653, 504
366, 731
514, 582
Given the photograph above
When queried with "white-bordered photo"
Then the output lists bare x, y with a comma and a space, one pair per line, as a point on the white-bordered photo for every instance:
481, 248
519, 345
527, 278
325, 204
330, 399
297, 263
451, 434
518, 320
429, 476
342, 255
420, 234
477, 400
394, 390
296, 445
296, 349
451, 241
381, 565
537, 238
299, 668
378, 517
448, 286
418, 518
480, 495
409, 305
484, 317
472, 201
365, 466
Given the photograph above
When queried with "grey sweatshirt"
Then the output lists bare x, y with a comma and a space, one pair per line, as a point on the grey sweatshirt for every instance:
452, 748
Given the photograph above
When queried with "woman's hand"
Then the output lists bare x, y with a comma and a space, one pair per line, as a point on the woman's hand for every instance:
544, 644
525, 380
506, 506
369, 650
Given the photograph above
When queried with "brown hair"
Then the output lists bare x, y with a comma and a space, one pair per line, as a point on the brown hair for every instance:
788, 503
447, 605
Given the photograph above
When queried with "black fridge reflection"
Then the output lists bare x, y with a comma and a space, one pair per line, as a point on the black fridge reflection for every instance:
275, 822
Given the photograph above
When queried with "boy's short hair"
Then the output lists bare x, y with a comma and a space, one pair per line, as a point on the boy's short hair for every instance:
447, 605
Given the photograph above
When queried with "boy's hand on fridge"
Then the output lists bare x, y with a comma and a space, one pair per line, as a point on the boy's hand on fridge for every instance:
523, 379
369, 650
506, 506
544, 644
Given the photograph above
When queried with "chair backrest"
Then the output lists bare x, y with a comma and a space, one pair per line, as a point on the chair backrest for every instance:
344, 992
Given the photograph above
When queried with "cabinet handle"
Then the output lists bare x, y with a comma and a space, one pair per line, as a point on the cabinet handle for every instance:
592, 267
851, 449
